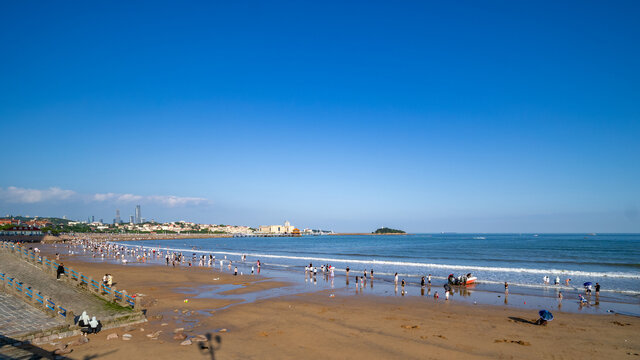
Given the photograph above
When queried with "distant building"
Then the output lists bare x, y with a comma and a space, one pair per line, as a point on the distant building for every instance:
138, 215
131, 219
277, 229
22, 230
117, 219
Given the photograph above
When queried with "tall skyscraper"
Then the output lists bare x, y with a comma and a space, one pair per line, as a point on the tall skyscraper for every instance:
93, 218
131, 219
117, 221
138, 215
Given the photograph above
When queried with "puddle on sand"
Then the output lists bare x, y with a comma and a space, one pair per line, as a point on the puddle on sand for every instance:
217, 292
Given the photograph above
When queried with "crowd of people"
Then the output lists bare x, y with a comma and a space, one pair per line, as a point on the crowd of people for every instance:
125, 254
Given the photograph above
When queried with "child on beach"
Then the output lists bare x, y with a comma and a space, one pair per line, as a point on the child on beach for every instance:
235, 271
436, 296
506, 287
422, 282
429, 279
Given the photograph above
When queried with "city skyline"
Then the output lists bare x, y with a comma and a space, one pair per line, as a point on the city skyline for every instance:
430, 117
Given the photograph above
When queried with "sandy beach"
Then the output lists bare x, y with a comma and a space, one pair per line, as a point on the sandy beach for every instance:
318, 325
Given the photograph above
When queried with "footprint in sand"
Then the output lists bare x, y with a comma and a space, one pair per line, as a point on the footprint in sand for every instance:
409, 326
519, 342
619, 323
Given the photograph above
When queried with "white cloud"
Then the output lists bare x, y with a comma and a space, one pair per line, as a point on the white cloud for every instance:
14, 194
172, 201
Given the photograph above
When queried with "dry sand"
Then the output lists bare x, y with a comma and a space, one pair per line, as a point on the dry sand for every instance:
315, 325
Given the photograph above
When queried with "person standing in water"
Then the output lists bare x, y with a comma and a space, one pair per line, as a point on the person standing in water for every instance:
396, 279
429, 279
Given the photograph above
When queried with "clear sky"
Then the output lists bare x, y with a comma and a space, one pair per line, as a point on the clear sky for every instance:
509, 116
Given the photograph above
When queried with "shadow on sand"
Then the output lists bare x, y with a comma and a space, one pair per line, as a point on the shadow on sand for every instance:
209, 347
521, 320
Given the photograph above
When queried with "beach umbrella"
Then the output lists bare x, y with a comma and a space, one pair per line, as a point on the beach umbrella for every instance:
545, 315
588, 283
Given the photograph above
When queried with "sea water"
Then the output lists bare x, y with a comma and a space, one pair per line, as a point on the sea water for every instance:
522, 260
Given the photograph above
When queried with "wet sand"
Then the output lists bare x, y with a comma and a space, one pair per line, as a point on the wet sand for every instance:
318, 325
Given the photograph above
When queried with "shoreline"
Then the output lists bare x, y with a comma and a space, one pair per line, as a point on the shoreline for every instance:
316, 324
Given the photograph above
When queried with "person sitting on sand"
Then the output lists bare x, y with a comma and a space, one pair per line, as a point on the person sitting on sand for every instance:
60, 271
94, 325
83, 320
541, 321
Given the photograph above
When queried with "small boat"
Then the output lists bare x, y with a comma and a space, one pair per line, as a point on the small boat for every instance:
463, 280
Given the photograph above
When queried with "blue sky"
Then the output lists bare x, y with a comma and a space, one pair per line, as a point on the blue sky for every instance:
426, 116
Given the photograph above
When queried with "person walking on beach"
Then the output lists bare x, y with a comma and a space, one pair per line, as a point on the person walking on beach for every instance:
396, 279
557, 282
567, 281
402, 284
347, 269
422, 282
506, 287
235, 271
371, 274
429, 279
597, 289
251, 270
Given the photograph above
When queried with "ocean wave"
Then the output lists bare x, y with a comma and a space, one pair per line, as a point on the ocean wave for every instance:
373, 262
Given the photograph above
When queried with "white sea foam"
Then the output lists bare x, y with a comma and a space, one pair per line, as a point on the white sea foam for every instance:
448, 267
